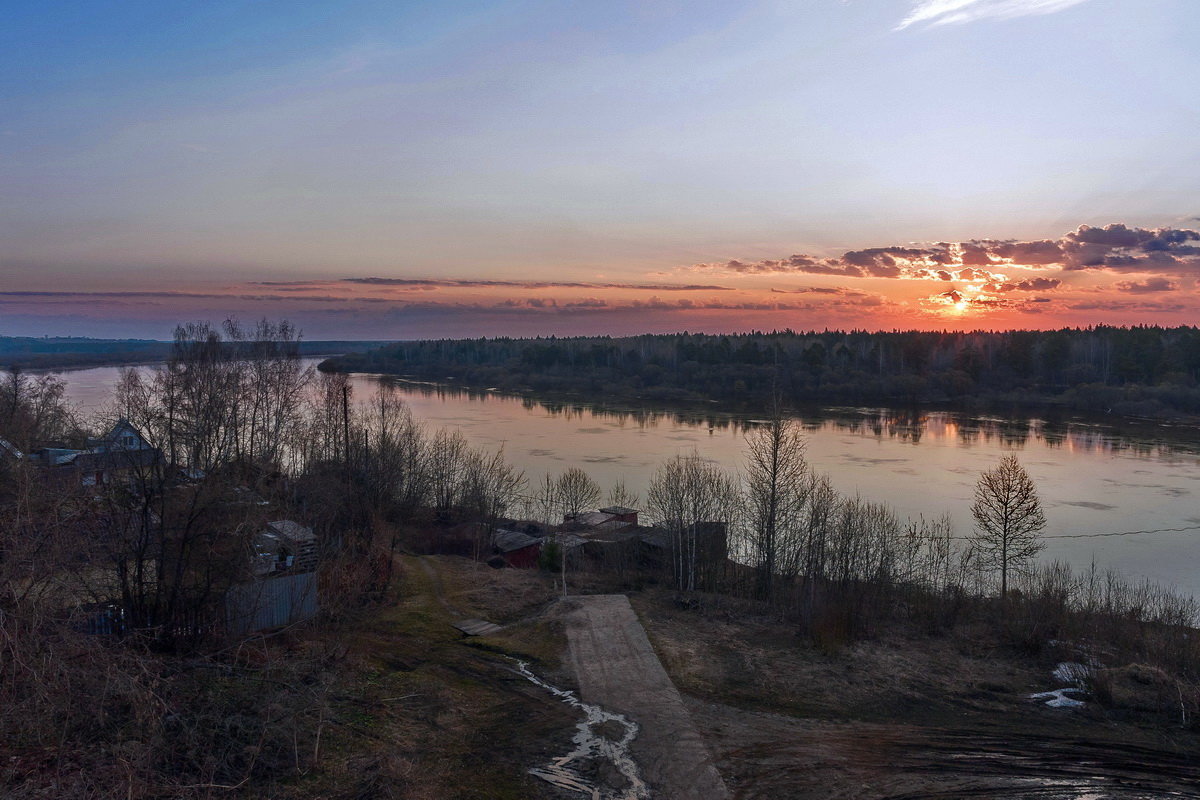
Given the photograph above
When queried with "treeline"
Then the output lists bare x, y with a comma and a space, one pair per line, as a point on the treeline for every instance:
61, 352
778, 535
1140, 370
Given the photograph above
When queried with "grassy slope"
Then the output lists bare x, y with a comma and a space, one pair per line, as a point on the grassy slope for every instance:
423, 712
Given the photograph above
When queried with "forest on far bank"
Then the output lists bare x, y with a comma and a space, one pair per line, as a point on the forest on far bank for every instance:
1139, 371
78, 352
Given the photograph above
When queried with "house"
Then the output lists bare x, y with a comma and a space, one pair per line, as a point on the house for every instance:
622, 513
121, 437
113, 459
111, 467
518, 549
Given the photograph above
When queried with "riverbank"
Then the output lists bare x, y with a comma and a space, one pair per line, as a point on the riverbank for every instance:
904, 714
693, 406
1142, 372
399, 704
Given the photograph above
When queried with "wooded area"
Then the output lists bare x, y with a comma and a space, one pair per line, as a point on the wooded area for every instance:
64, 352
1141, 370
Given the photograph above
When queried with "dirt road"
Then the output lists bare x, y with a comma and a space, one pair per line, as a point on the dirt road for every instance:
769, 756
617, 669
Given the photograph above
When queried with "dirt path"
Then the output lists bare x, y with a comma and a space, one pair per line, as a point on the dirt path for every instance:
769, 756
617, 668
437, 588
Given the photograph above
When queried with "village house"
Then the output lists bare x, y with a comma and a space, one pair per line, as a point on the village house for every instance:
109, 460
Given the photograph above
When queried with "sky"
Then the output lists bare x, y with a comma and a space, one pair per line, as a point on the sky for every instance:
392, 170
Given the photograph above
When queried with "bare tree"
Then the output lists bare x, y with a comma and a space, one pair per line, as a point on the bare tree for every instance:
576, 491
777, 492
1008, 518
544, 502
619, 495
490, 485
697, 503
34, 409
448, 456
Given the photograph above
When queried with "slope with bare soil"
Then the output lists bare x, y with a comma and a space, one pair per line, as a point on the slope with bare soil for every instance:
901, 717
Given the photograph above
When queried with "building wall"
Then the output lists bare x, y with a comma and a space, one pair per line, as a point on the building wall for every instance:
271, 603
525, 558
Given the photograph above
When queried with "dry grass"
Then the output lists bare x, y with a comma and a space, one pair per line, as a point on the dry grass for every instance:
426, 713
755, 662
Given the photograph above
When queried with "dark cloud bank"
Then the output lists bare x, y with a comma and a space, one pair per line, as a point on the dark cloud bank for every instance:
1115, 247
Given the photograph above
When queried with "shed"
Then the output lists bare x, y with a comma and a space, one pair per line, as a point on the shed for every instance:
518, 549
285, 546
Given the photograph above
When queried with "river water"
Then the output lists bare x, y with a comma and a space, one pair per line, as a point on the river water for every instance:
1094, 477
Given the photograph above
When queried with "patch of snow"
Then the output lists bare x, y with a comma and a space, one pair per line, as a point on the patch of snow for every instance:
1071, 672
1058, 698
1066, 672
588, 744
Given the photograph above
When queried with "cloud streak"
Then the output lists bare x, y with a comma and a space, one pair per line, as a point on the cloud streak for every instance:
1116, 247
469, 283
933, 13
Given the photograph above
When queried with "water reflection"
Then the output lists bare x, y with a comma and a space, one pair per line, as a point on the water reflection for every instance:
1094, 475
908, 426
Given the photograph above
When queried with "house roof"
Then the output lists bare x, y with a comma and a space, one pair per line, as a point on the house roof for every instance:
292, 531
11, 449
618, 510
608, 533
508, 541
612, 526
592, 518
656, 537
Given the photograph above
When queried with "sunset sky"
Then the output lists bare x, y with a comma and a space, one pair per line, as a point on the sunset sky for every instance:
400, 170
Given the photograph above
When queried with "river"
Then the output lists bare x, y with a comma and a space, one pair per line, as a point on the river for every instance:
1094, 477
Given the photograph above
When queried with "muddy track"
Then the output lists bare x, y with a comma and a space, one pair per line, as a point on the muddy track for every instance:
794, 758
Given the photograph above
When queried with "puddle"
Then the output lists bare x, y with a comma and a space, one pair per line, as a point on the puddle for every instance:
600, 767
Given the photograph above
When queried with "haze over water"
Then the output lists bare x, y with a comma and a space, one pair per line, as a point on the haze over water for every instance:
1093, 477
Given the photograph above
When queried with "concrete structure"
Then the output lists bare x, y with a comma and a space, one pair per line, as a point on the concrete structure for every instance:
618, 670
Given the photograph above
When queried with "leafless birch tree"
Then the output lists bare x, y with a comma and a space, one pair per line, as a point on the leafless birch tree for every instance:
698, 504
777, 492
